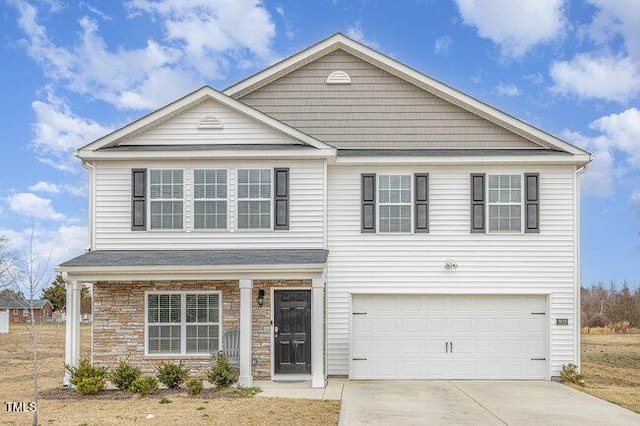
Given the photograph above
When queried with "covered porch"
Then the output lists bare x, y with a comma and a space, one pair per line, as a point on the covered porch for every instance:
167, 305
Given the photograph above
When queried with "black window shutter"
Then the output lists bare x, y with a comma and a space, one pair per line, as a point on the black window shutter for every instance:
138, 199
281, 199
368, 202
421, 186
532, 202
477, 203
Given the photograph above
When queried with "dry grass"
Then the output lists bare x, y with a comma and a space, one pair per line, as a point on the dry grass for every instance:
611, 367
16, 381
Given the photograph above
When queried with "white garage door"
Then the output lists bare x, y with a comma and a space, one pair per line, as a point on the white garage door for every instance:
448, 337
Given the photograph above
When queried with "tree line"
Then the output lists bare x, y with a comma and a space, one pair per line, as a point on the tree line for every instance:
602, 306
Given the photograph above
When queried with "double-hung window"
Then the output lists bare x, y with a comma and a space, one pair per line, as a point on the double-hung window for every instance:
505, 203
394, 203
167, 199
254, 198
210, 199
183, 323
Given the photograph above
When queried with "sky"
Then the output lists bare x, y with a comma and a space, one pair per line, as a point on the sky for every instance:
74, 70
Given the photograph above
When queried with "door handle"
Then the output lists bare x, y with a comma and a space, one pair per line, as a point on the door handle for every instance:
275, 330
446, 347
451, 347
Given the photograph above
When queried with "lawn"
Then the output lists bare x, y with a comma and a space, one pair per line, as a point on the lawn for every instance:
611, 367
16, 381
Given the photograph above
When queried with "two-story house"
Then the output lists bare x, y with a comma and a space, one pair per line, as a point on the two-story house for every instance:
348, 215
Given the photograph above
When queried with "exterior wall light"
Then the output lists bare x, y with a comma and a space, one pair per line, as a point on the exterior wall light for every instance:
450, 265
260, 299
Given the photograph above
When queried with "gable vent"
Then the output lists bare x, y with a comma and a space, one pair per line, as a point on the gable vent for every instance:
338, 77
210, 123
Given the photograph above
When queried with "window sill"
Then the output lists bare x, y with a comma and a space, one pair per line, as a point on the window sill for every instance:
178, 356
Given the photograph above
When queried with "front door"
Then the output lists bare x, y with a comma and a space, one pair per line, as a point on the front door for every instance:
292, 331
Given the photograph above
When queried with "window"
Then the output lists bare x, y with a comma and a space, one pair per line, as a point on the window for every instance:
505, 203
210, 199
183, 323
254, 199
166, 190
15, 312
394, 203
25, 312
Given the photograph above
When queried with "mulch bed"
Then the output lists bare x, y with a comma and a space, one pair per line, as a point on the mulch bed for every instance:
72, 394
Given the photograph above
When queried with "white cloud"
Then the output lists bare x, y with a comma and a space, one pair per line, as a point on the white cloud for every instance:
58, 130
507, 89
597, 76
516, 26
47, 187
612, 71
616, 150
215, 32
635, 196
31, 205
77, 190
355, 32
442, 45
203, 40
51, 246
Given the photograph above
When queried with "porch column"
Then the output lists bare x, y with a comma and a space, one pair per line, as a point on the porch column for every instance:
72, 342
317, 333
246, 286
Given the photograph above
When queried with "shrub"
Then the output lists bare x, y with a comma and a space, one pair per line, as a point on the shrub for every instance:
144, 385
222, 374
250, 391
124, 375
90, 385
164, 400
86, 377
172, 375
570, 374
195, 385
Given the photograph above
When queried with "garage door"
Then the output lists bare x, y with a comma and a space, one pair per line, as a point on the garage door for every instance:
448, 337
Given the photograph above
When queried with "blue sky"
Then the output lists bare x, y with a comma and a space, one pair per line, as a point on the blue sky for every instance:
72, 71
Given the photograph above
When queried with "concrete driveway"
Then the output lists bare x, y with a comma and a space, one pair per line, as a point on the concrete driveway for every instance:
475, 403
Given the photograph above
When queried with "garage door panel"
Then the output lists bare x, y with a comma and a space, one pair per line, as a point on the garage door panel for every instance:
409, 337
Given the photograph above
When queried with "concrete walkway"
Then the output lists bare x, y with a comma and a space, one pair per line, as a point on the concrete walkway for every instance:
475, 403
300, 389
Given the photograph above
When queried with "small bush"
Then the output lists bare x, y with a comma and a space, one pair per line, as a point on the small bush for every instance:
124, 375
144, 385
195, 385
165, 400
86, 377
90, 385
570, 374
172, 375
250, 391
222, 374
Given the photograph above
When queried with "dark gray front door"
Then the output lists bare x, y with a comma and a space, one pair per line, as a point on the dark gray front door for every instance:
292, 331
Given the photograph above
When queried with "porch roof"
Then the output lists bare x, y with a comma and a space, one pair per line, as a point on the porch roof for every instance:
191, 258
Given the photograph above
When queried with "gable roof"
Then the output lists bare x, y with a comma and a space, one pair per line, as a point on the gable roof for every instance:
340, 41
22, 303
175, 108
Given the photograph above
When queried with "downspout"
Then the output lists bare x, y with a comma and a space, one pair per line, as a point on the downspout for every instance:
576, 236
90, 166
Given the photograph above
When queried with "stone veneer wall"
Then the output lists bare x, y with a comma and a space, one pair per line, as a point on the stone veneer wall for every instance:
118, 321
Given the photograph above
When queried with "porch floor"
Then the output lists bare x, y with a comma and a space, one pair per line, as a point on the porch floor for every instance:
301, 389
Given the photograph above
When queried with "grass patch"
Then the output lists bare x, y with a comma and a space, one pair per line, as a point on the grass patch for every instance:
610, 365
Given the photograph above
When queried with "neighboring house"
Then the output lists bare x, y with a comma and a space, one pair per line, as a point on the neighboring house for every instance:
348, 215
20, 309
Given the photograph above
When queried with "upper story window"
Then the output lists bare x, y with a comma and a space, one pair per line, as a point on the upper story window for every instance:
505, 203
166, 189
254, 199
394, 203
210, 199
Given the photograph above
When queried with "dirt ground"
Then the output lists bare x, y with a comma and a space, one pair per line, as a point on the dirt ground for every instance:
16, 384
611, 367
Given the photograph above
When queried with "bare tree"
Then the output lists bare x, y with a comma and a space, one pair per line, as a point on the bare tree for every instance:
7, 264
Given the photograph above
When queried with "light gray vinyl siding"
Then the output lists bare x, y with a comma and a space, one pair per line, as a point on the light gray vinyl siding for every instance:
376, 110
183, 128
414, 263
113, 209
